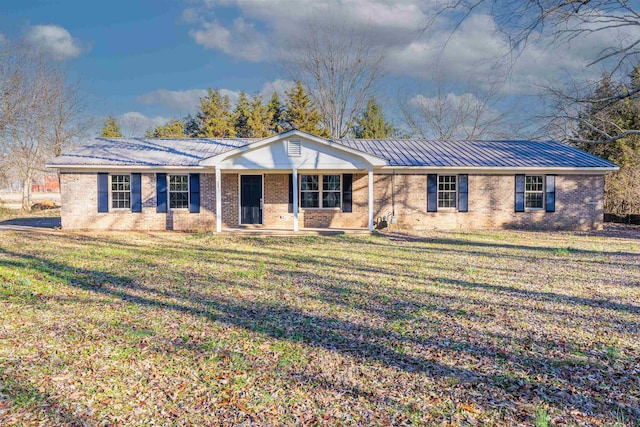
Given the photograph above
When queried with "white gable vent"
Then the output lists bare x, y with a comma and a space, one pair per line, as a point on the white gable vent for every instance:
294, 148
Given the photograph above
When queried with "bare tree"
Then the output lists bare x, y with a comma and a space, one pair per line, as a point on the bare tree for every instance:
473, 114
40, 113
339, 65
566, 20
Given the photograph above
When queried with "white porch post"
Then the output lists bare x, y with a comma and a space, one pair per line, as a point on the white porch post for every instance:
295, 199
370, 199
218, 200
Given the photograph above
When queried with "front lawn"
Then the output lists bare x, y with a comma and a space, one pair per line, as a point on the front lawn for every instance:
195, 329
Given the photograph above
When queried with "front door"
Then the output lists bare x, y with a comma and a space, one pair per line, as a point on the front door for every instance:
250, 199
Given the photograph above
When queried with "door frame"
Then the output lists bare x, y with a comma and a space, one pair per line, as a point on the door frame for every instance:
240, 175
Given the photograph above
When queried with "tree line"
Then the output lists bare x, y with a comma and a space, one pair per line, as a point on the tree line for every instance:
253, 118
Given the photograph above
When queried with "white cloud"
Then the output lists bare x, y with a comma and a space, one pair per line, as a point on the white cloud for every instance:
241, 41
182, 101
54, 40
134, 124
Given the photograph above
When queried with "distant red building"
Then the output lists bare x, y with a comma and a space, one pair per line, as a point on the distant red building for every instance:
50, 185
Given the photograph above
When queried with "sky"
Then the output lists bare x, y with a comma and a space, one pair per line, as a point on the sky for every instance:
147, 61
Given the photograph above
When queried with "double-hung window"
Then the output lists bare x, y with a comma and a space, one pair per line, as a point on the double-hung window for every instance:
447, 191
534, 192
120, 191
178, 191
320, 191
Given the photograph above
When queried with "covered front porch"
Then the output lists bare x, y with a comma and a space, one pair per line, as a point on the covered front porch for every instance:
294, 200
294, 181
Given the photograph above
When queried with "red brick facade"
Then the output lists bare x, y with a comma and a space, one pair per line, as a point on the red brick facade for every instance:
579, 205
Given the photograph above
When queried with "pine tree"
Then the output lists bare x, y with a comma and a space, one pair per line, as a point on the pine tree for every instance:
275, 113
171, 129
214, 117
259, 119
191, 126
301, 114
110, 129
372, 125
241, 116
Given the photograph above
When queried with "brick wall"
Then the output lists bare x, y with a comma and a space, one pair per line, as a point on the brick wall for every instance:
579, 204
79, 211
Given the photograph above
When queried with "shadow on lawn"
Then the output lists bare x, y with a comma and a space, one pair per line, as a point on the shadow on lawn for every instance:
281, 321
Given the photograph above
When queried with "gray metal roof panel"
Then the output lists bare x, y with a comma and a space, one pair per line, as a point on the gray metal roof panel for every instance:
146, 152
399, 152
478, 153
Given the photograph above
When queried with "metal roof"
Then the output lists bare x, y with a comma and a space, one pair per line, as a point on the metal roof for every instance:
476, 153
398, 152
146, 151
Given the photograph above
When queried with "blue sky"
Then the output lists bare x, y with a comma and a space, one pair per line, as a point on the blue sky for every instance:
150, 60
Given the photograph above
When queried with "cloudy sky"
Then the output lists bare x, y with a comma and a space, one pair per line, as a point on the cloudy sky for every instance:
150, 60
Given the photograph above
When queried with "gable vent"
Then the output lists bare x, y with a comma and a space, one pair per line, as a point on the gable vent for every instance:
294, 148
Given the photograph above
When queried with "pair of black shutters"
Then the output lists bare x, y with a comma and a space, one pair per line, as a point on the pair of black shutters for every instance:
432, 193
549, 193
347, 192
161, 190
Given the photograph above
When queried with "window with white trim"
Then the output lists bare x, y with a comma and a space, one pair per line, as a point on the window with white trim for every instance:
534, 192
178, 191
121, 191
313, 195
447, 191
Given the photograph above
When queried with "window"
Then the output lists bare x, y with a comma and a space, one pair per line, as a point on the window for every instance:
178, 191
312, 195
120, 191
447, 191
534, 192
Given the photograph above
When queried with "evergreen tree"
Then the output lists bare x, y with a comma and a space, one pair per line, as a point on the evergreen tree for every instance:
191, 126
275, 113
171, 129
110, 129
259, 118
300, 112
215, 119
371, 124
241, 116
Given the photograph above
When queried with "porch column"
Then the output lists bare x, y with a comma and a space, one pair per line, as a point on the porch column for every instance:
218, 200
295, 199
370, 199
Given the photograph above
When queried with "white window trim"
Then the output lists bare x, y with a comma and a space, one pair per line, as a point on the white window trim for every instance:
169, 191
544, 194
320, 191
111, 208
449, 208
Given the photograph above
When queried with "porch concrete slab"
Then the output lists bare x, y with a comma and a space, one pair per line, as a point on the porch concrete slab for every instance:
301, 232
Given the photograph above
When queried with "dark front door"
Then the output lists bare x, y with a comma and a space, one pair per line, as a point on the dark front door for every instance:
250, 199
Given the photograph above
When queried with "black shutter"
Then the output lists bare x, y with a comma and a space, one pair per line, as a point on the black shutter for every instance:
519, 193
550, 197
136, 192
463, 193
347, 192
103, 192
432, 193
194, 192
290, 193
161, 192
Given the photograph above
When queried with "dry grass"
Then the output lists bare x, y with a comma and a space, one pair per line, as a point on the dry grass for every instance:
452, 329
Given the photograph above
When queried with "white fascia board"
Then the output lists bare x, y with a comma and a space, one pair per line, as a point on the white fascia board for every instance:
85, 168
217, 159
498, 169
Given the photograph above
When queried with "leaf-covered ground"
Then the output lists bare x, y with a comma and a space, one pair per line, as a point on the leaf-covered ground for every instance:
195, 329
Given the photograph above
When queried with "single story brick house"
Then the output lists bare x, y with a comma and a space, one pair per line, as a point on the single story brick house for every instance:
295, 180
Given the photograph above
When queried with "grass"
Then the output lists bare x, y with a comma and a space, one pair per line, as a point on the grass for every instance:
506, 328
